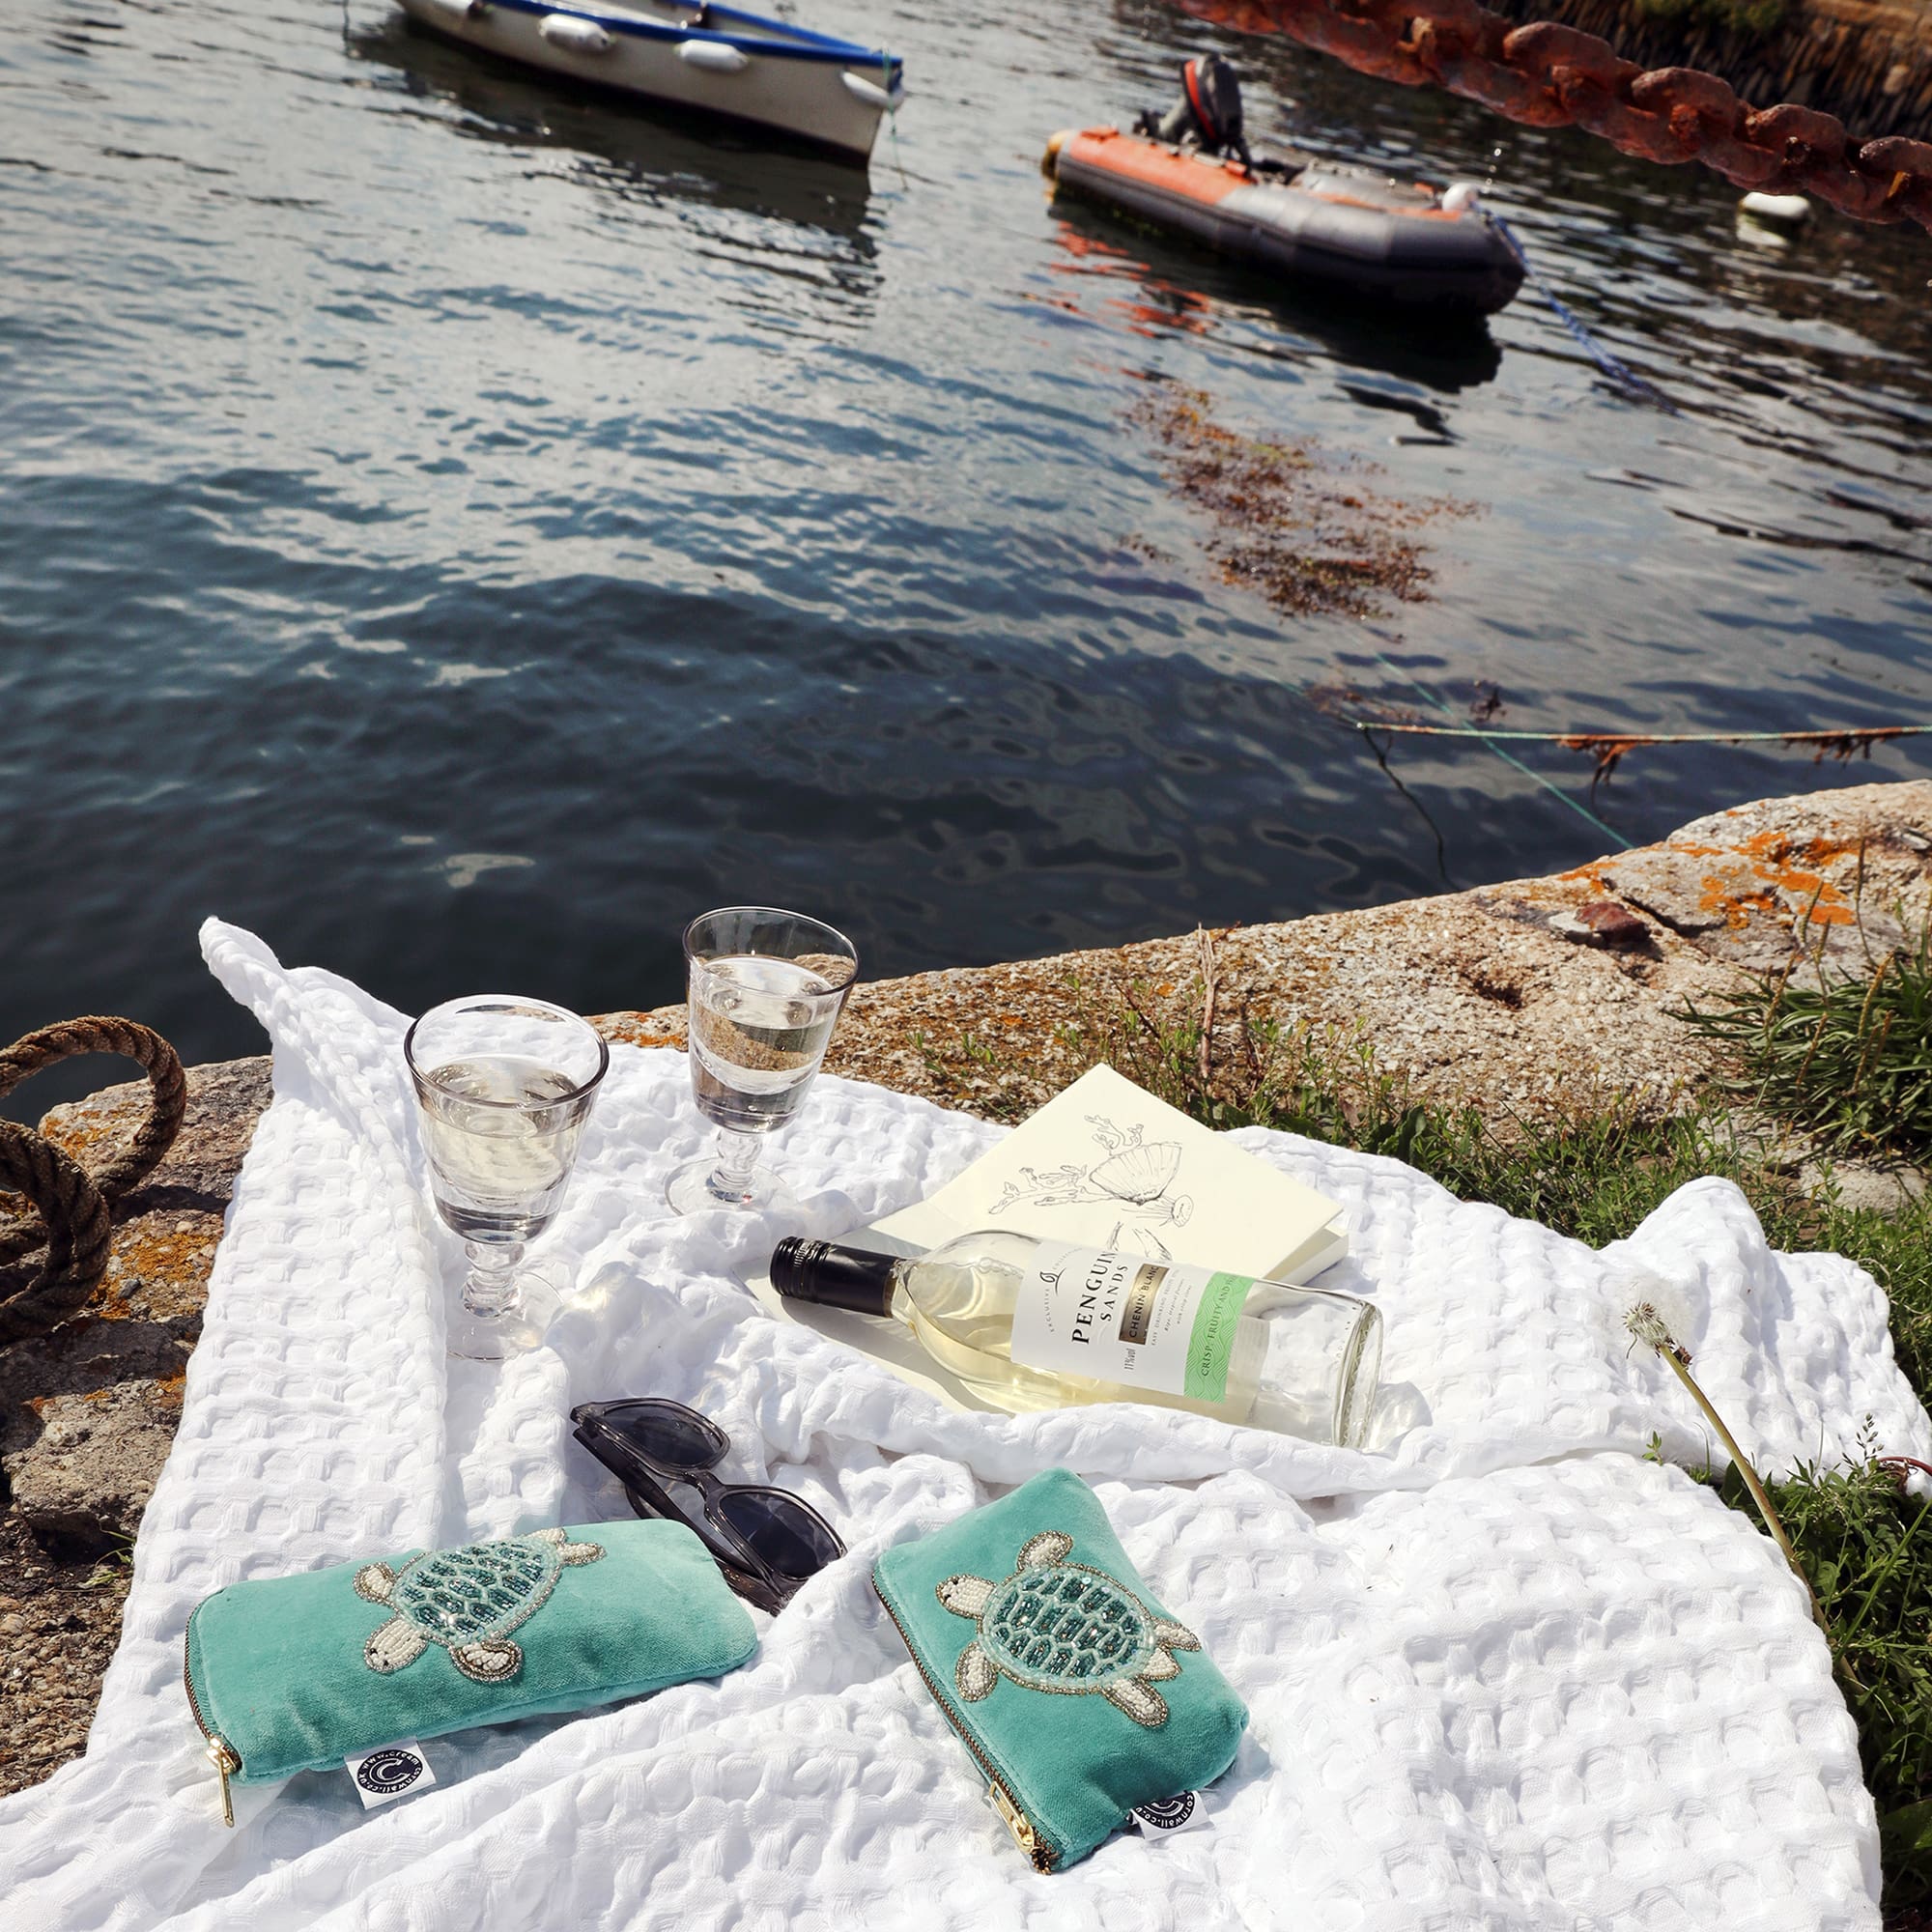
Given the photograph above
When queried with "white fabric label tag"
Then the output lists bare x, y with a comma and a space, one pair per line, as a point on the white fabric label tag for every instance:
388, 1773
1124, 1318
1168, 1815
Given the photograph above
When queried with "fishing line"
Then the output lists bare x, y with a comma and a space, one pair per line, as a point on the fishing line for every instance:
1588, 740
1509, 758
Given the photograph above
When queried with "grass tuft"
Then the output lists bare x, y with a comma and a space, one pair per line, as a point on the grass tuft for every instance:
1847, 1061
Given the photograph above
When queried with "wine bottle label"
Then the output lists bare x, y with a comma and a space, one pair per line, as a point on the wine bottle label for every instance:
1112, 1318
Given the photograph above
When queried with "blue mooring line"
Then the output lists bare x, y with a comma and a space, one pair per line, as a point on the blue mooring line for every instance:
1619, 372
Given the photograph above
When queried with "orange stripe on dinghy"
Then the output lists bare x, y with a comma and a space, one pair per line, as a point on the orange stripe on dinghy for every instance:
1198, 177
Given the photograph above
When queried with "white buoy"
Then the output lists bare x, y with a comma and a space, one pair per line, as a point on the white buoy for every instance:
872, 94
575, 36
1459, 196
1787, 210
713, 56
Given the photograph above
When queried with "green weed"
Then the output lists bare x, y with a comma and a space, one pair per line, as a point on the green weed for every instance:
1847, 1060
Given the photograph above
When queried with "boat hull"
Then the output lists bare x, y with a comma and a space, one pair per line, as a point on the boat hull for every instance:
800, 91
1337, 227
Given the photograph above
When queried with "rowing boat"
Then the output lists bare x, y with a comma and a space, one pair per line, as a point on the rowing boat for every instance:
718, 60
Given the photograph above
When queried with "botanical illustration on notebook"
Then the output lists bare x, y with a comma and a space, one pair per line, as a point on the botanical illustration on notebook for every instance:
1106, 1165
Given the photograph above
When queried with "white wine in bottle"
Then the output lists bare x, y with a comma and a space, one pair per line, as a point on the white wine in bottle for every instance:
1040, 1325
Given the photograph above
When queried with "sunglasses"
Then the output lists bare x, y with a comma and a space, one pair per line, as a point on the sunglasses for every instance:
765, 1541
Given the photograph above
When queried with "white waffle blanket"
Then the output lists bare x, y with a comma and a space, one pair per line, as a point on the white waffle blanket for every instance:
1503, 1672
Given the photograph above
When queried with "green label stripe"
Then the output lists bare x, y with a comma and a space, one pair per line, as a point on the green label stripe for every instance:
1212, 1345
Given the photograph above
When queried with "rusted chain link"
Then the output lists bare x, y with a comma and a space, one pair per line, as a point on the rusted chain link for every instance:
98, 1033
1546, 76
77, 1231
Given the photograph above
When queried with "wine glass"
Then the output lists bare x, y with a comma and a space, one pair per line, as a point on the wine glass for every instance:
504, 1085
765, 989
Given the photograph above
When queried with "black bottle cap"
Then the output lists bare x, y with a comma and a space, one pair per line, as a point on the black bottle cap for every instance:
834, 1276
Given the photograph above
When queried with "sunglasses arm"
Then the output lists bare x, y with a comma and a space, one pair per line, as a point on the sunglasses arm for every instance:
724, 1547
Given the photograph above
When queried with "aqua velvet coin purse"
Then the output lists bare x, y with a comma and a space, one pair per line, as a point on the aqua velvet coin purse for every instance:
298, 1673
1080, 1698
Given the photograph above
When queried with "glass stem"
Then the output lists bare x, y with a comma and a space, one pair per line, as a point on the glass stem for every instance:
490, 1287
737, 1155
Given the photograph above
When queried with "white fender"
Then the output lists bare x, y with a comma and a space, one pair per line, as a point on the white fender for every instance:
713, 56
457, 9
1460, 195
871, 93
1791, 209
575, 36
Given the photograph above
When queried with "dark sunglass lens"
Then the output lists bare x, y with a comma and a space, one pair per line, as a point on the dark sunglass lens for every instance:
677, 1437
782, 1530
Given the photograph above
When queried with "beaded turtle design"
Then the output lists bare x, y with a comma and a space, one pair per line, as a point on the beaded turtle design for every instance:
1066, 1628
468, 1599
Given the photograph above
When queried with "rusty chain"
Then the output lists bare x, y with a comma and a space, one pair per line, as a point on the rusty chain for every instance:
1546, 76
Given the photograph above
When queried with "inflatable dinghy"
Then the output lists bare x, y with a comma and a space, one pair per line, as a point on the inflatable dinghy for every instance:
1311, 222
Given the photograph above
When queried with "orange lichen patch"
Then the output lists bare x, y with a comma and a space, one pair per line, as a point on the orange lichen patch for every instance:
81, 1135
145, 1254
1585, 875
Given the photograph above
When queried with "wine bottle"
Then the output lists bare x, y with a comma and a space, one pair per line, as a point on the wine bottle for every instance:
1032, 1324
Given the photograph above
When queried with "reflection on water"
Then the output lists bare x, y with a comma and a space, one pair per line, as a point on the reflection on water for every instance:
731, 185
624, 143
1179, 287
461, 527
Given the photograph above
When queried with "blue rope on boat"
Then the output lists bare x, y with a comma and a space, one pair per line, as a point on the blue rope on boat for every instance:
1619, 372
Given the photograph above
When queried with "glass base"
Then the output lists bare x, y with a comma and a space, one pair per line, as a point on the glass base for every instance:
534, 1302
694, 1190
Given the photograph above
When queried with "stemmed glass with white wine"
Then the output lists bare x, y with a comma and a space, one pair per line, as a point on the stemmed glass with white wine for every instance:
505, 1085
765, 989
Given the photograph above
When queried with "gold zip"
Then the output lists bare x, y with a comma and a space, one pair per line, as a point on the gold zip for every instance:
219, 1751
1030, 1841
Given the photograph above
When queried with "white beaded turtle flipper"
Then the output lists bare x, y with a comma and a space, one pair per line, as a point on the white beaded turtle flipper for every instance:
1066, 1628
468, 1599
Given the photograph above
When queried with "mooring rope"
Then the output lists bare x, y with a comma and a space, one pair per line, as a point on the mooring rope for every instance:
71, 1215
1614, 368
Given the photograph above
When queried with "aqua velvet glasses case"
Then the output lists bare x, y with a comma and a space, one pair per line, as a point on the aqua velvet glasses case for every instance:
1080, 1697
297, 1673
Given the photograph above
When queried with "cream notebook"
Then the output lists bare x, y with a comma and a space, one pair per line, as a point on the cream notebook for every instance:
1106, 1165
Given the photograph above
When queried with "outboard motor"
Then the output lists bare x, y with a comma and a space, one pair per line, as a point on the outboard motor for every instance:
1207, 116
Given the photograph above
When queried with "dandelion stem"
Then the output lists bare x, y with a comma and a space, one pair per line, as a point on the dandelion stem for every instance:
1764, 1509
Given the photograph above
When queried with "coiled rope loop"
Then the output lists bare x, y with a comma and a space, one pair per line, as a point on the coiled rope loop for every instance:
70, 1206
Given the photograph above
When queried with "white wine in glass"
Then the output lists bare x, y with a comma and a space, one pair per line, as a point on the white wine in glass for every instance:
504, 1085
765, 990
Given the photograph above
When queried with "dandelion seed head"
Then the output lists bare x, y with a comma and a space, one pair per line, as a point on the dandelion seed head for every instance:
1650, 1327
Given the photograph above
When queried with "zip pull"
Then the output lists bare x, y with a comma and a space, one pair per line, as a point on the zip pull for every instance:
1016, 1822
224, 1762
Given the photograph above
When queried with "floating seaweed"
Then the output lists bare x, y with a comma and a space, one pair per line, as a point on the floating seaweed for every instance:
1303, 530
